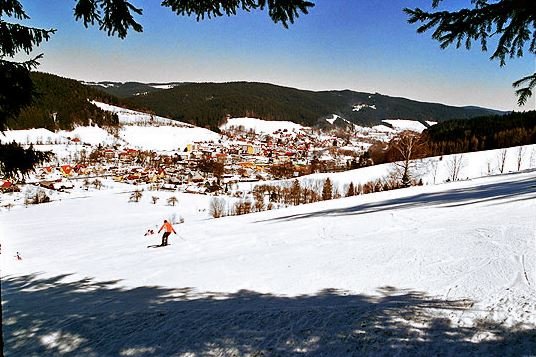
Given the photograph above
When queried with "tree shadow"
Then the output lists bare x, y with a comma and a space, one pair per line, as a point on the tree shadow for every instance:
52, 316
493, 193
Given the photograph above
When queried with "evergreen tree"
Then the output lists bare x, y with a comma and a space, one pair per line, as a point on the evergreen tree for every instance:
351, 190
514, 23
17, 90
327, 190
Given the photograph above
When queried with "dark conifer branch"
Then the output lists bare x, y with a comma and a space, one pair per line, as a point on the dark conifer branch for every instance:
284, 11
12, 8
513, 21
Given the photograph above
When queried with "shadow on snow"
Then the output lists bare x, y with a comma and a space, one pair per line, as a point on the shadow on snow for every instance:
55, 317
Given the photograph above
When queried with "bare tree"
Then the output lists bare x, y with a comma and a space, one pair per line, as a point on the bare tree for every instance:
454, 166
501, 160
406, 147
434, 164
136, 196
217, 207
98, 184
155, 199
172, 201
520, 152
532, 158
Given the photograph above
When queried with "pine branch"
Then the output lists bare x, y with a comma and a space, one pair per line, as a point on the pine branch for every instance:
17, 162
15, 38
12, 8
284, 11
112, 16
525, 93
514, 21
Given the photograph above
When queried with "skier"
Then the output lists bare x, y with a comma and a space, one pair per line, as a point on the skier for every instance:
18, 256
168, 229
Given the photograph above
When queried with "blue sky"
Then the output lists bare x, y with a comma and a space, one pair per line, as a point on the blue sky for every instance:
341, 44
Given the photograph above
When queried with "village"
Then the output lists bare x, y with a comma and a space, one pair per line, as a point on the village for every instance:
205, 167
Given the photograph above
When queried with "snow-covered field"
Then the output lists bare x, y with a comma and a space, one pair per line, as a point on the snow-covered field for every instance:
402, 124
259, 125
138, 131
444, 269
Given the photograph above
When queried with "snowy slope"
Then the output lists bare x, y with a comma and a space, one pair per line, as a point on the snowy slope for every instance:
259, 125
128, 116
403, 124
432, 170
447, 269
138, 130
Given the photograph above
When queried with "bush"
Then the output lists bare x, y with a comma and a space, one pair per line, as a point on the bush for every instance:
39, 196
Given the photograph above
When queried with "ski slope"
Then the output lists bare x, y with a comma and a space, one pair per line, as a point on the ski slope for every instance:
446, 269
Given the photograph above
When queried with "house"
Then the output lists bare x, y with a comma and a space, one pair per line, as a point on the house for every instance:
109, 154
8, 186
66, 170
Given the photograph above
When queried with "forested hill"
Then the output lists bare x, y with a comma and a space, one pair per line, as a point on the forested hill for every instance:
482, 133
68, 99
207, 104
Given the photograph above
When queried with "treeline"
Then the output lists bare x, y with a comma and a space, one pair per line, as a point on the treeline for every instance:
62, 103
482, 133
455, 137
268, 197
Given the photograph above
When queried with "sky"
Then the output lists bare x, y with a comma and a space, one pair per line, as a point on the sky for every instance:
366, 46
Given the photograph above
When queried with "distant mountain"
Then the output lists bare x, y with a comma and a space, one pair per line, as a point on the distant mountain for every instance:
207, 104
128, 89
61, 103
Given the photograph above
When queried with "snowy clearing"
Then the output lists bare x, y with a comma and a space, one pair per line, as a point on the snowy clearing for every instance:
445, 269
403, 124
259, 125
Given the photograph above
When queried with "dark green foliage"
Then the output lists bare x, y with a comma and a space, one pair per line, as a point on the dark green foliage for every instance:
513, 22
15, 37
112, 16
69, 99
16, 88
17, 162
283, 11
483, 133
117, 16
207, 104
16, 91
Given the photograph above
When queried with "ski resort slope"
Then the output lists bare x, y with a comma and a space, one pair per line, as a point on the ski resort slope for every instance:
447, 269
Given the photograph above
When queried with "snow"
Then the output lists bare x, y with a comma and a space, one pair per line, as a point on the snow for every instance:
432, 170
359, 107
430, 123
403, 124
163, 86
260, 126
138, 130
128, 116
164, 138
31, 136
438, 269
332, 119
92, 135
